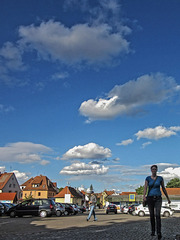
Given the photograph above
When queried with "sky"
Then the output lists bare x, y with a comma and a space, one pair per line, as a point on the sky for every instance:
90, 91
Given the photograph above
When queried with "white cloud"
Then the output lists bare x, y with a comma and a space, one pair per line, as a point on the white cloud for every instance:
23, 152
61, 75
146, 144
84, 169
11, 56
44, 162
125, 142
170, 173
88, 151
80, 43
156, 133
128, 98
2, 169
21, 176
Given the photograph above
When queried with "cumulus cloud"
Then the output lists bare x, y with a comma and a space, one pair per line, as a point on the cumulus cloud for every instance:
21, 176
128, 99
88, 151
23, 152
157, 132
125, 142
84, 169
80, 43
170, 173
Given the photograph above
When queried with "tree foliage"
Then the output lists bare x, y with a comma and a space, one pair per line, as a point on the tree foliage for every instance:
140, 190
173, 183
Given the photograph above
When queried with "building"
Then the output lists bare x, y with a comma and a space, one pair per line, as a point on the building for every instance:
104, 196
8, 197
9, 184
39, 187
70, 195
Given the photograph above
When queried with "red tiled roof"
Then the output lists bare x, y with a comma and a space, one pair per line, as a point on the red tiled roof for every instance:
127, 193
172, 191
109, 192
4, 178
43, 181
7, 196
68, 190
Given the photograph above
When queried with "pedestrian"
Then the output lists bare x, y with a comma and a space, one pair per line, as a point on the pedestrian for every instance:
92, 203
154, 199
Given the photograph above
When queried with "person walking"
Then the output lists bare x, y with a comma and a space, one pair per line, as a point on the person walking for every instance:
92, 203
154, 199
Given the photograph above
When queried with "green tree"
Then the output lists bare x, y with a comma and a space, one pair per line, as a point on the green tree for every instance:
60, 189
140, 190
91, 187
173, 183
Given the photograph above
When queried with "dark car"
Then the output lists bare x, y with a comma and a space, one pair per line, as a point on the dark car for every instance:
68, 209
1, 209
82, 209
60, 209
132, 207
6, 206
34, 207
111, 208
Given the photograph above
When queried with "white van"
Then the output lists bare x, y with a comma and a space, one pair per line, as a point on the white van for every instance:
174, 205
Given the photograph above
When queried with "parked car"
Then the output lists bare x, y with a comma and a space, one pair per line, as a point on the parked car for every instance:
76, 209
68, 209
35, 207
82, 209
111, 208
1, 209
125, 209
142, 211
132, 207
6, 206
60, 209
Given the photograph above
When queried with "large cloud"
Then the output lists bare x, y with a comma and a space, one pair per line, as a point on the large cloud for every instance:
24, 152
84, 169
88, 151
157, 132
170, 173
128, 98
81, 42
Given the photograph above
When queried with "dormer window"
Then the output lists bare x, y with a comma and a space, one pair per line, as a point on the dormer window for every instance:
35, 185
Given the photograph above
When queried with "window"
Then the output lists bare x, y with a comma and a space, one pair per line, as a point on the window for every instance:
10, 185
39, 193
14, 185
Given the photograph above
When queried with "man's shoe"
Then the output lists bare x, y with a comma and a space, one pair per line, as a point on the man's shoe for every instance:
87, 219
153, 234
159, 236
95, 219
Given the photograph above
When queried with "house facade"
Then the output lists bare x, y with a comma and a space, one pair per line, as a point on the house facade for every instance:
9, 184
69, 195
38, 187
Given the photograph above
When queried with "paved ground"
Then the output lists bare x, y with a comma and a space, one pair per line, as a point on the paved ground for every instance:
111, 226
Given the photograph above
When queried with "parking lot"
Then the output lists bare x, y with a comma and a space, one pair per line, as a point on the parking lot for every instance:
108, 226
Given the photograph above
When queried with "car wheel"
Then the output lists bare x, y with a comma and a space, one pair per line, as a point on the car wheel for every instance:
58, 213
43, 214
133, 213
166, 214
141, 214
66, 213
12, 214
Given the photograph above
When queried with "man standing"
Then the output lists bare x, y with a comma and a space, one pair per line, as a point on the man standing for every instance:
92, 202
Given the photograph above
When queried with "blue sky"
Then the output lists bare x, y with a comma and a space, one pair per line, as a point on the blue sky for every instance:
90, 91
